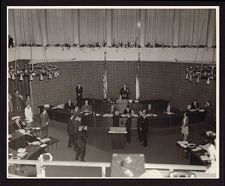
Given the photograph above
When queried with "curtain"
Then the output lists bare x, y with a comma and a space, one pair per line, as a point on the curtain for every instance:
190, 27
92, 26
125, 26
193, 27
159, 26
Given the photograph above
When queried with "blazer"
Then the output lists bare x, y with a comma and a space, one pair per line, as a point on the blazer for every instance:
69, 107
124, 93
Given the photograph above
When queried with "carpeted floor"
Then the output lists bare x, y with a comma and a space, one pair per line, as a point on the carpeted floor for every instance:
161, 148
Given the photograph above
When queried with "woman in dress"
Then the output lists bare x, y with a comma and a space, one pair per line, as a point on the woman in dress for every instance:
184, 127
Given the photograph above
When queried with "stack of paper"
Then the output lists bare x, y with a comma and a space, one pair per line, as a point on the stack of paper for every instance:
196, 149
45, 140
204, 158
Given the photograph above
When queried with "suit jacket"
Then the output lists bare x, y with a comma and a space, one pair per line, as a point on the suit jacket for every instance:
128, 124
69, 107
145, 125
124, 93
193, 106
81, 139
116, 120
140, 120
44, 119
71, 127
185, 123
79, 92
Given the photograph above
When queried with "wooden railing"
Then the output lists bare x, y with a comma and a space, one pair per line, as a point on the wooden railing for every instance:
102, 165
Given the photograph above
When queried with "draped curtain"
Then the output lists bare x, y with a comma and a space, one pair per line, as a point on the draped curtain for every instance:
174, 27
159, 26
125, 25
92, 26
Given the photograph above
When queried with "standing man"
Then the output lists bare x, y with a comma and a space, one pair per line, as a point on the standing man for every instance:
81, 143
71, 131
18, 101
128, 127
44, 122
79, 92
139, 126
209, 114
124, 92
145, 129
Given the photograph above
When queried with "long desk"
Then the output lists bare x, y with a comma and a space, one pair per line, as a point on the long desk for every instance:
100, 108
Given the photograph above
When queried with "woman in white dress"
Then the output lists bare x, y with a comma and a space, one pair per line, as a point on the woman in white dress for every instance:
29, 115
184, 127
212, 156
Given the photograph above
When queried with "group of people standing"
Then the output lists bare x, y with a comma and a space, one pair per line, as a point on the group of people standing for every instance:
77, 134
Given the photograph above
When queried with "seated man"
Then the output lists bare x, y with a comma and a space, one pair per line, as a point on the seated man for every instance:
86, 108
127, 110
149, 110
17, 123
125, 92
194, 105
169, 109
69, 106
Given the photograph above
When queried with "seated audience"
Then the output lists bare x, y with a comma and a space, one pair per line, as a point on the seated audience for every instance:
29, 115
194, 105
86, 108
44, 122
69, 106
17, 123
125, 92
116, 119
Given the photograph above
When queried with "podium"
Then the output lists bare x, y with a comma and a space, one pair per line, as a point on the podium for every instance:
118, 137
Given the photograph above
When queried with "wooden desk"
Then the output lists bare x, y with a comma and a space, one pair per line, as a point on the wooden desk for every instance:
118, 137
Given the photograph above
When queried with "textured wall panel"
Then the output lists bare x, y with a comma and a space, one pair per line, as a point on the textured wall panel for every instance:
159, 80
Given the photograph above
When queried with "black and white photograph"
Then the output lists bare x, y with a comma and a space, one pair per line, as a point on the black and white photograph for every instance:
113, 92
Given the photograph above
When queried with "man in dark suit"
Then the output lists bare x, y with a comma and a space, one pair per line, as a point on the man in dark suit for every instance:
116, 118
79, 92
71, 130
145, 129
128, 127
69, 106
125, 92
139, 126
81, 143
194, 105
209, 114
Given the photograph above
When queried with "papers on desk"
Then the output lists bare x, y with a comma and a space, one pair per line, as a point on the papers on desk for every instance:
43, 145
196, 149
193, 110
98, 114
135, 115
87, 113
36, 128
169, 113
119, 130
202, 110
155, 115
54, 107
45, 140
46, 105
21, 131
204, 158
183, 143
210, 133
205, 147
107, 115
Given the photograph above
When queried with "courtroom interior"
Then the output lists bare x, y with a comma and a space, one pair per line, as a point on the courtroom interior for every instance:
114, 92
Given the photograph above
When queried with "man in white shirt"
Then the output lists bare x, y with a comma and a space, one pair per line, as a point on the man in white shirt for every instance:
29, 115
